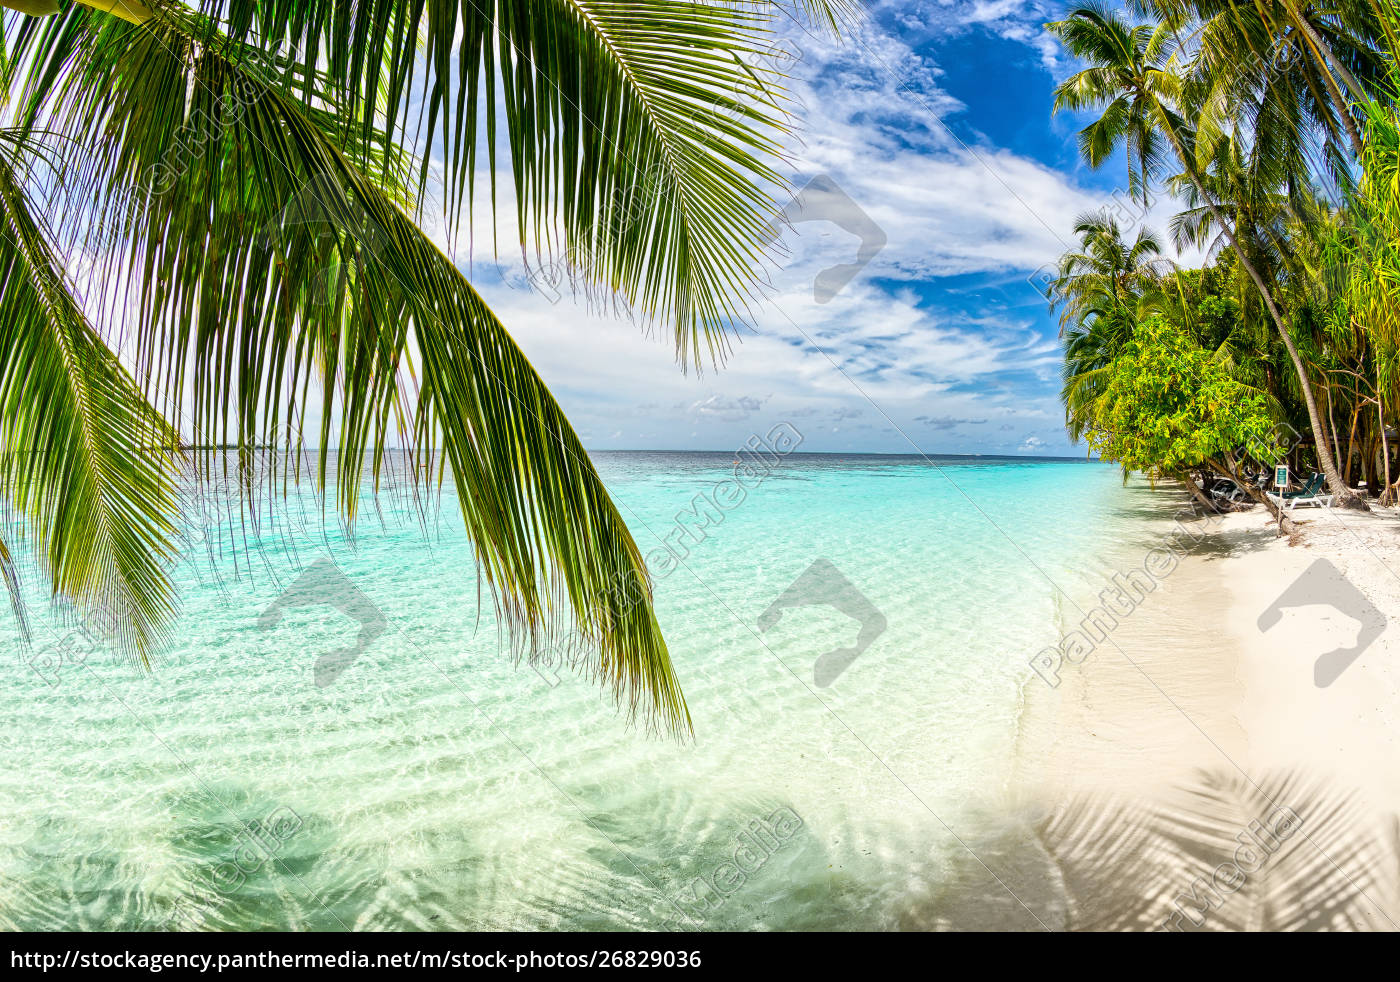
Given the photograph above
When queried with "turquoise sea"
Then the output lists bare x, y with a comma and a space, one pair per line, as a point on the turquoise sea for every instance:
435, 783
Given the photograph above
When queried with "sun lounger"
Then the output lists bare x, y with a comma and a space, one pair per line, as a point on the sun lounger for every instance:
1310, 494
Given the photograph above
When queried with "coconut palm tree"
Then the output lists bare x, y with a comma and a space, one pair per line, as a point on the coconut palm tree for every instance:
1130, 78
1289, 67
1255, 204
243, 188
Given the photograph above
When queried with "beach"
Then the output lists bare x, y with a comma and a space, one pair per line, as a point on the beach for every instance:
439, 783
794, 499
1199, 693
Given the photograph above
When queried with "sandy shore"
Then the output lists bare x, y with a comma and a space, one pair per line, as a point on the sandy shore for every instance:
1212, 681
1347, 725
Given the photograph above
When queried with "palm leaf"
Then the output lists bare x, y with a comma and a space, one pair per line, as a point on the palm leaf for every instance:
86, 464
265, 259
641, 137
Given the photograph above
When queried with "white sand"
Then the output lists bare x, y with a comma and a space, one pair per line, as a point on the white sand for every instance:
1189, 683
1158, 698
1349, 727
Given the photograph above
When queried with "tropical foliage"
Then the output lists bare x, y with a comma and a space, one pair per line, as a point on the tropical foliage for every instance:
1272, 126
1168, 404
243, 184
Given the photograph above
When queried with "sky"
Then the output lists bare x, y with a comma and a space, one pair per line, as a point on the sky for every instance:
928, 129
933, 118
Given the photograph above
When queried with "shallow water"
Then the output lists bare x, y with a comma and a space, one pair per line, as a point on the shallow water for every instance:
437, 784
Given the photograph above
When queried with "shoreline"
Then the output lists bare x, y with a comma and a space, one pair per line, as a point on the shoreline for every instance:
1191, 693
1155, 697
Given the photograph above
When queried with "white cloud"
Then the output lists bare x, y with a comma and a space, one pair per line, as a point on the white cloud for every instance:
728, 408
1021, 21
884, 346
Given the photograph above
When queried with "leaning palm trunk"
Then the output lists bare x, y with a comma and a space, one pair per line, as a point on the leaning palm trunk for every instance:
1230, 466
1344, 495
1353, 134
1189, 482
1326, 61
1324, 52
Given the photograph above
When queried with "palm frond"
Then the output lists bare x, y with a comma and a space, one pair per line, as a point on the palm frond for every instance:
264, 259
86, 463
9, 571
641, 137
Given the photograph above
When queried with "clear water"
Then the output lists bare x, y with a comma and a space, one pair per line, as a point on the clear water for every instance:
437, 784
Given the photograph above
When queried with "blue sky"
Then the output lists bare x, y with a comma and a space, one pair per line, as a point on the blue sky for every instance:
934, 118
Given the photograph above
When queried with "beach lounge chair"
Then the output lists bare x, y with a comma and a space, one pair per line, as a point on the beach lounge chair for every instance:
1310, 487
1310, 494
1221, 487
1227, 489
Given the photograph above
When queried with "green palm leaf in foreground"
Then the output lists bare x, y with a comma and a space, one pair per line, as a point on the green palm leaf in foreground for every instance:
270, 251
87, 467
640, 136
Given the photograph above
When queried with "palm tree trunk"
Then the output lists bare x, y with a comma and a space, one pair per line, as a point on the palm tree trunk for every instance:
1385, 445
1351, 445
1335, 96
1343, 111
1368, 472
1333, 91
1228, 464
1190, 483
1331, 417
1344, 496
1324, 53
